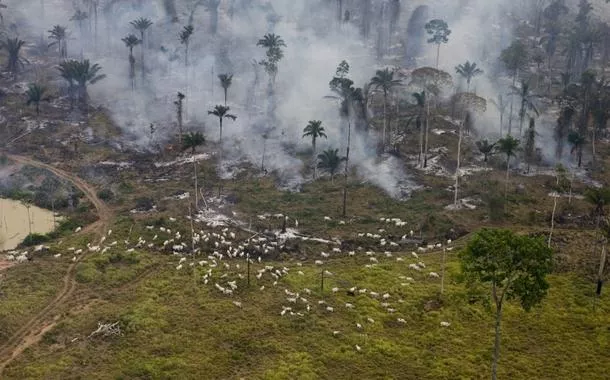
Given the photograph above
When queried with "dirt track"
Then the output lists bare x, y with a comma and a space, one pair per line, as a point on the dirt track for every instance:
31, 332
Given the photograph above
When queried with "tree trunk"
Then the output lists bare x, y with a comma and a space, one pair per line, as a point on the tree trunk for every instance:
421, 141
225, 96
457, 169
426, 135
196, 193
349, 135
507, 174
142, 54
552, 220
313, 159
385, 120
496, 354
220, 132
512, 98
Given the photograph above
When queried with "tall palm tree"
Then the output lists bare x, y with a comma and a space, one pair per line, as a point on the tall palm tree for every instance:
141, 25
225, 82
221, 112
81, 74
468, 71
35, 95
420, 99
60, 37
191, 141
577, 141
527, 102
80, 16
13, 47
508, 145
185, 39
314, 130
274, 44
330, 161
384, 79
131, 41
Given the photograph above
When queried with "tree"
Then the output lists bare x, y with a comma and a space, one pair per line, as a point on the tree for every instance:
60, 36
577, 141
314, 130
508, 146
132, 41
420, 101
486, 148
185, 39
179, 109
439, 31
514, 266
468, 71
191, 141
527, 102
384, 79
530, 144
81, 74
515, 58
13, 48
501, 105
564, 121
330, 161
599, 198
221, 112
273, 43
80, 16
35, 95
225, 82
141, 25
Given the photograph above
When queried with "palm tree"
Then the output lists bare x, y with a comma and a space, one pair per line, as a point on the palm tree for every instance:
185, 39
221, 112
314, 130
330, 161
141, 25
225, 82
384, 79
132, 41
486, 148
191, 141
13, 47
508, 145
420, 99
81, 74
35, 95
59, 35
80, 16
577, 141
273, 43
468, 71
527, 102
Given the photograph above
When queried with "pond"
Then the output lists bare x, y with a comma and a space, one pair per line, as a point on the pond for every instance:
16, 224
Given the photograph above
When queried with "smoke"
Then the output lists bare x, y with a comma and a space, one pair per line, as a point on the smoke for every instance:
316, 44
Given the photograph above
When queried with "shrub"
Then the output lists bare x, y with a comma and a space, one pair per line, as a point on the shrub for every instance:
34, 239
105, 195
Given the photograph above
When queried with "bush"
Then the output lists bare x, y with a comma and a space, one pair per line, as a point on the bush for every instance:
144, 204
105, 195
34, 239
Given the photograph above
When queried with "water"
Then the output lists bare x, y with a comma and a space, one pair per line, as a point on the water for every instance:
14, 222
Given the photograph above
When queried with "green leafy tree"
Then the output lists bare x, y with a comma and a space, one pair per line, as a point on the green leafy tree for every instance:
132, 41
222, 112
439, 34
226, 80
59, 35
34, 95
384, 80
468, 71
13, 48
274, 54
513, 266
330, 162
508, 146
185, 39
577, 142
314, 130
515, 58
